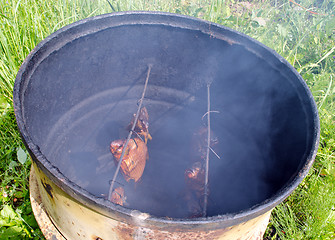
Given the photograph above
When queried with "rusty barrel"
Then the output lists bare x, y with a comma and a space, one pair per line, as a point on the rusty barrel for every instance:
79, 88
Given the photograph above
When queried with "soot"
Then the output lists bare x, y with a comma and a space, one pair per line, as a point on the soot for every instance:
93, 85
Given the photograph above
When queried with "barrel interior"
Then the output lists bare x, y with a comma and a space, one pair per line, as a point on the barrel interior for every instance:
83, 95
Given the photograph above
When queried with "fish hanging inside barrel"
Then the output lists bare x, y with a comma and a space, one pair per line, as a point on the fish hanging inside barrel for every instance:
195, 175
142, 124
134, 159
195, 189
136, 153
118, 196
195, 179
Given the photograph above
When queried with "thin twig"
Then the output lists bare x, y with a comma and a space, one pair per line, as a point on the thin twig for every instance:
137, 135
217, 155
204, 212
135, 142
117, 183
202, 118
130, 133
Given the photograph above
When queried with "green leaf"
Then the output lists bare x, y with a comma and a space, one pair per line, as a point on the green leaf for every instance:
7, 212
3, 102
12, 164
30, 220
10, 232
8, 217
21, 155
19, 194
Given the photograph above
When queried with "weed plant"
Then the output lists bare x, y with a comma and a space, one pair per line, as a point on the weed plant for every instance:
303, 32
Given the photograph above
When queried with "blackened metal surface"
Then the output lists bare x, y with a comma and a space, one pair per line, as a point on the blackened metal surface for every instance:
78, 87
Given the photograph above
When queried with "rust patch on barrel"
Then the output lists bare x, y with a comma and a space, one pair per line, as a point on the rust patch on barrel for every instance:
127, 232
182, 234
124, 231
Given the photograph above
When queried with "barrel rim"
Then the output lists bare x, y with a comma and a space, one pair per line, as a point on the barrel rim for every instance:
107, 208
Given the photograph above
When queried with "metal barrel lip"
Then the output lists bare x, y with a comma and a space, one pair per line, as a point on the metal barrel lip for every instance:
107, 208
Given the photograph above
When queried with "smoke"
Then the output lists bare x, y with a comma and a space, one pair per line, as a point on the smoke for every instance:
97, 81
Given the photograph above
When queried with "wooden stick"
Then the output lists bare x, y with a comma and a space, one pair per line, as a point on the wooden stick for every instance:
130, 133
204, 212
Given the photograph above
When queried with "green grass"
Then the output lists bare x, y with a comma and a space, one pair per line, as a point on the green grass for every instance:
305, 39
